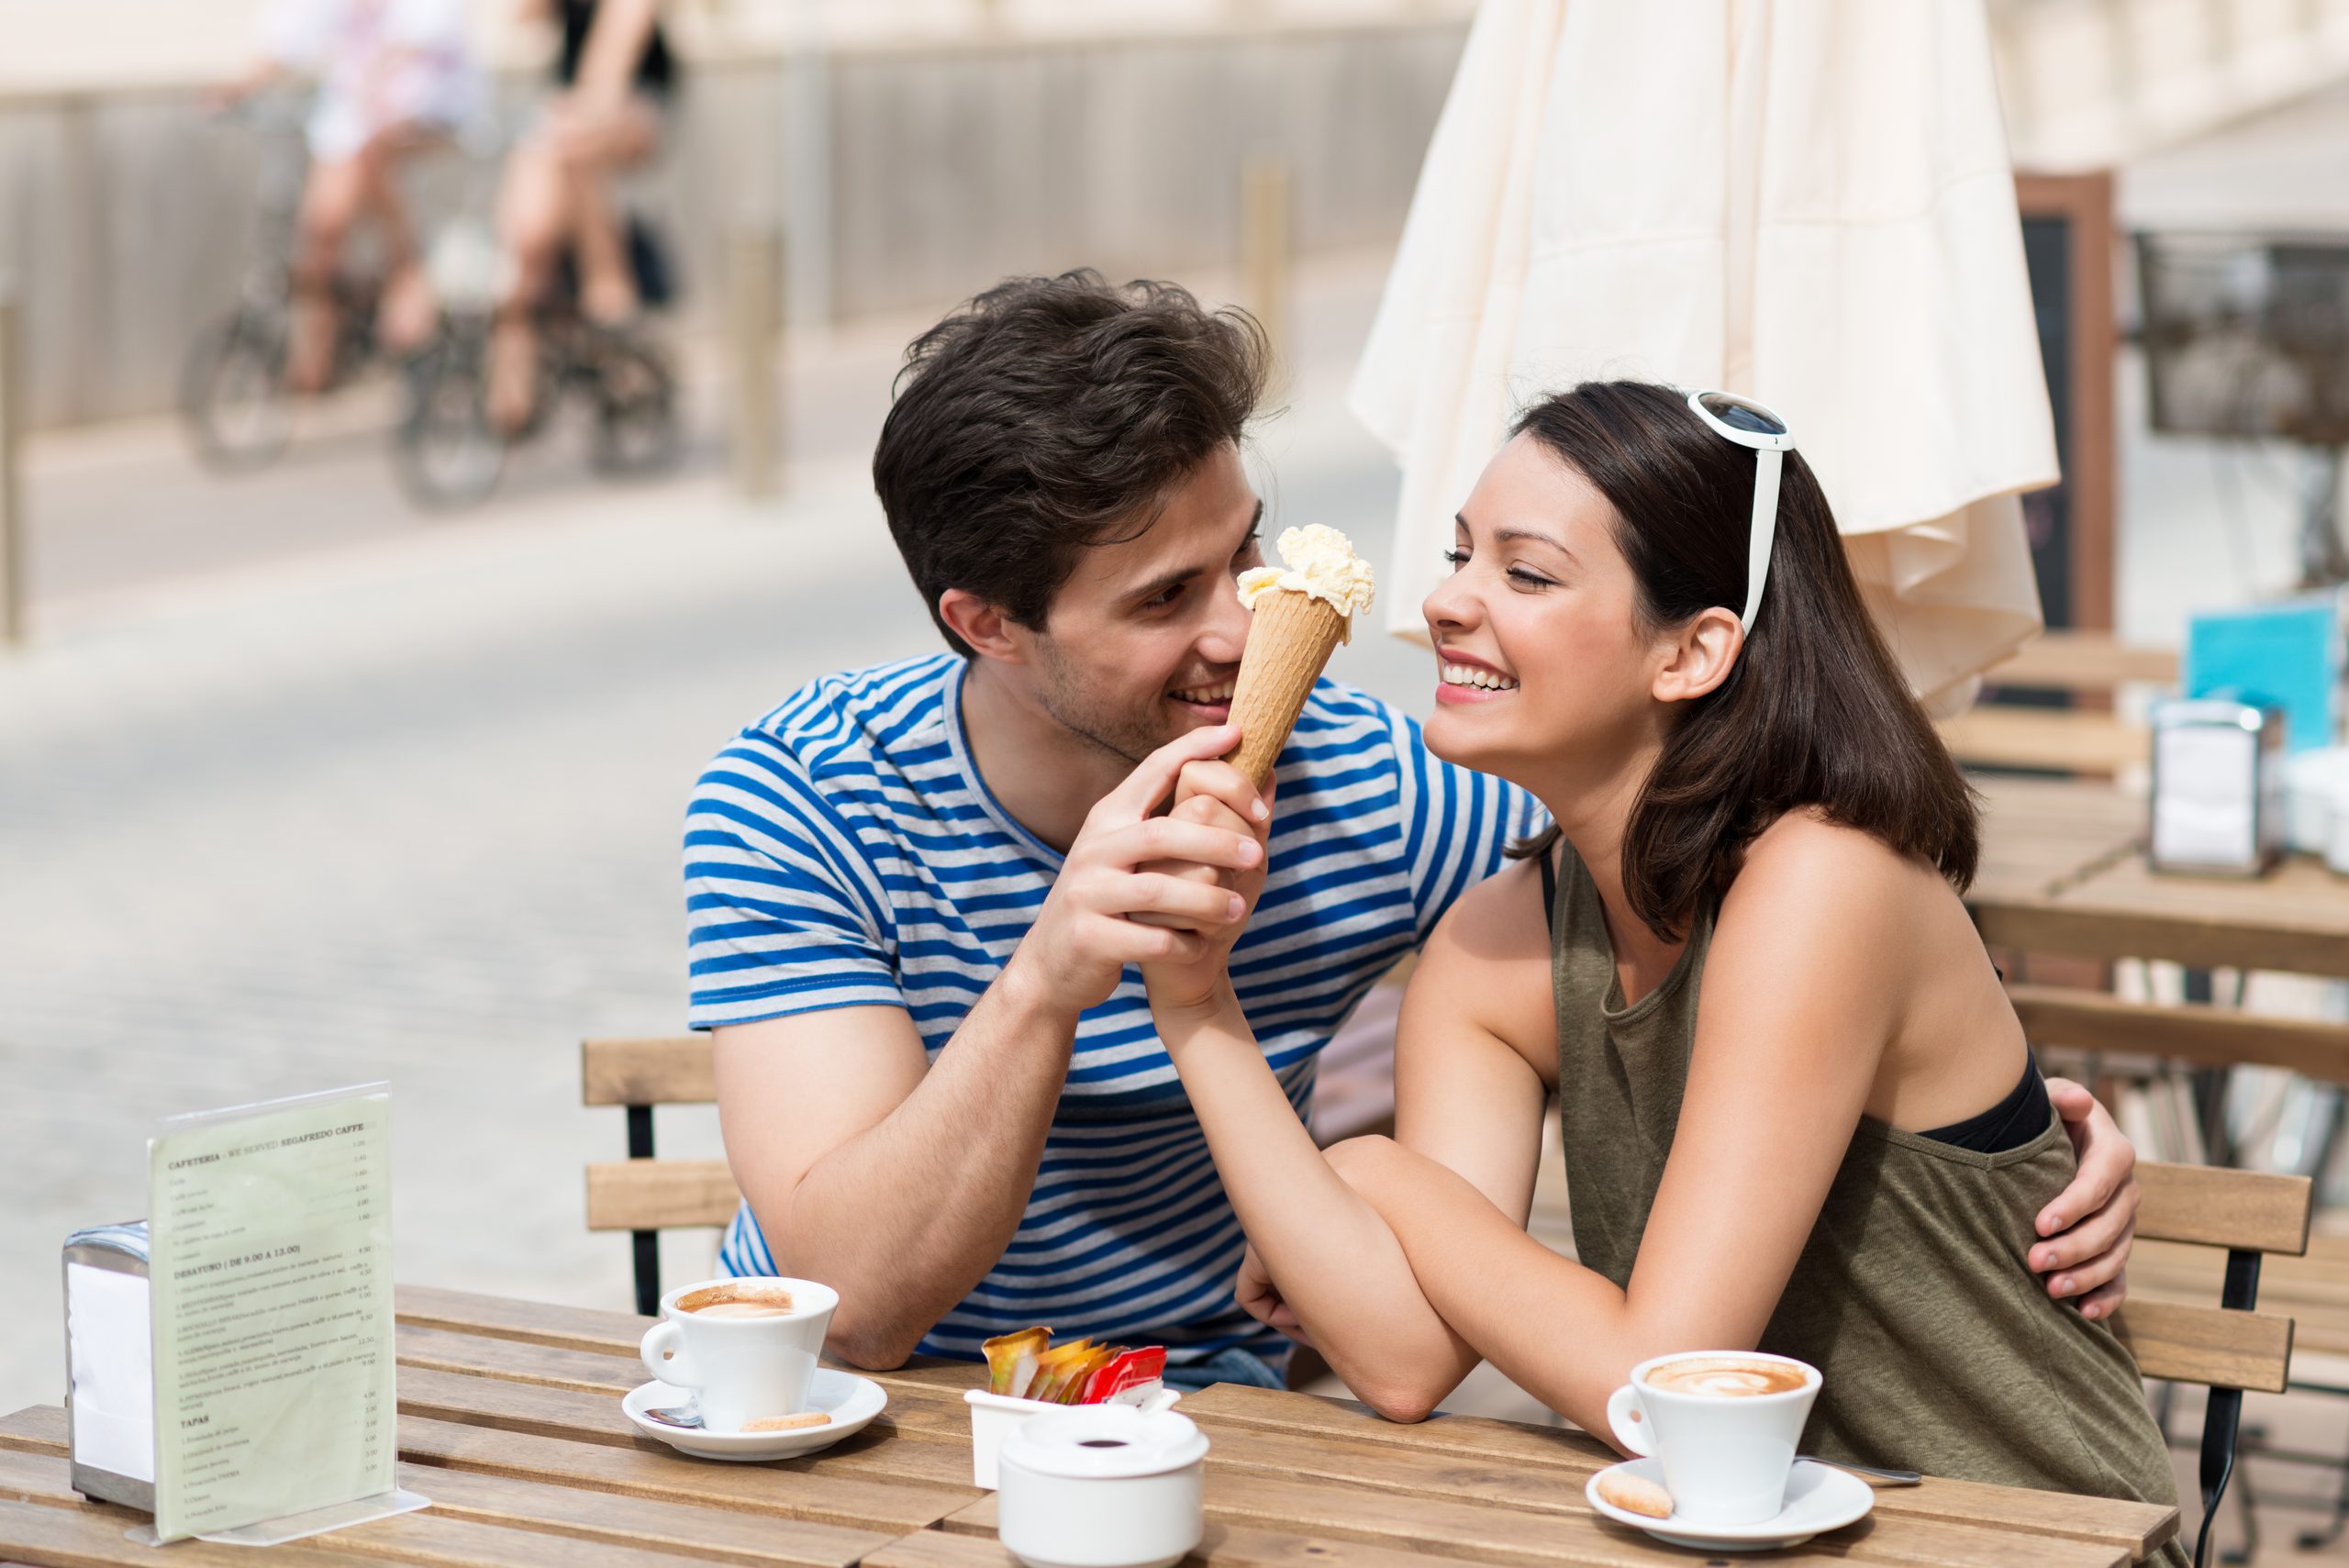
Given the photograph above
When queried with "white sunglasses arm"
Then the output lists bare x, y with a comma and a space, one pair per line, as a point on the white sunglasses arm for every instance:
1763, 531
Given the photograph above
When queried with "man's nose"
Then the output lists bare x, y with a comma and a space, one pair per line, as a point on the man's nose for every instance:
1225, 632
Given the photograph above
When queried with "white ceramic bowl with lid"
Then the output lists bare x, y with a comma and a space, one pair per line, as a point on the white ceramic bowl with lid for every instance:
1103, 1486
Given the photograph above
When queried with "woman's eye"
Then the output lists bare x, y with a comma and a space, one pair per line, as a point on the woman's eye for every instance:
1519, 574
1456, 558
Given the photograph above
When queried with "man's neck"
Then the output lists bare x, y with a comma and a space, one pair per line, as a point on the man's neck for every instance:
1044, 777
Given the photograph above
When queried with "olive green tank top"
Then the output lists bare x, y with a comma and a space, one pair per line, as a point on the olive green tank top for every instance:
1942, 1351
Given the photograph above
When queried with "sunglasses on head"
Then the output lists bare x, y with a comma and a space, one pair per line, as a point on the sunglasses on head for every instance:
1754, 425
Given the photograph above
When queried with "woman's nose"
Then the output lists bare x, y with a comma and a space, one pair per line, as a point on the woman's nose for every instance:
1449, 604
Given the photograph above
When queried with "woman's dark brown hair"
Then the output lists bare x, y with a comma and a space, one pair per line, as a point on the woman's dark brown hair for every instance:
1815, 715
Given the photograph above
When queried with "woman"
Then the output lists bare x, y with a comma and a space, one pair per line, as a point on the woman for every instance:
1799, 1113
395, 77
616, 78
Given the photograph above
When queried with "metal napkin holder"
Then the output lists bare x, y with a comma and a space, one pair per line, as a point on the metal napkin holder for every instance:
2218, 798
122, 1250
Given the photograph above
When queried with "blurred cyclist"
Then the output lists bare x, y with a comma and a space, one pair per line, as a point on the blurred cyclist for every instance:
394, 76
616, 77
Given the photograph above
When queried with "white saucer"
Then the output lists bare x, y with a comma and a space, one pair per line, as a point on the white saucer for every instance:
1818, 1497
850, 1401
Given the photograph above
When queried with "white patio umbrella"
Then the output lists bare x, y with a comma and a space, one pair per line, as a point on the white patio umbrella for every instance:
1804, 201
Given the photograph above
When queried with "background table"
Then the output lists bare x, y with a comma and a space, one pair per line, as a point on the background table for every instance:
510, 1422
2064, 871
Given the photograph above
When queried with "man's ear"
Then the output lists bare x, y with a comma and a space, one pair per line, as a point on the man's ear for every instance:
990, 632
1700, 656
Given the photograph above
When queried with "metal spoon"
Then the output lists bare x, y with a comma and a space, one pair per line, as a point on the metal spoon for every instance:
1891, 1477
685, 1417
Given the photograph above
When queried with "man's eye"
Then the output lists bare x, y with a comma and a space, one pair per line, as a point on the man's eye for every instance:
1160, 601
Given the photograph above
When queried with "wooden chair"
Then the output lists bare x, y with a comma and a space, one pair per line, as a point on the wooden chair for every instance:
644, 1194
2231, 1347
2100, 1025
2086, 739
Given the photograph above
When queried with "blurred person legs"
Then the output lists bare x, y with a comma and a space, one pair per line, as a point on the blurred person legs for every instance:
615, 75
339, 197
391, 75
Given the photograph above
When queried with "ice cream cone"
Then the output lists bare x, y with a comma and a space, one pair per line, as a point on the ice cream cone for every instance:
1291, 642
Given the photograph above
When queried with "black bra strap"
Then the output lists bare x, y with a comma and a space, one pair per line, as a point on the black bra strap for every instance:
1549, 890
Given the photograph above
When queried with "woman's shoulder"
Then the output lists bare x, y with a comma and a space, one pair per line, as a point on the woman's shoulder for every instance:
1488, 962
1502, 913
1805, 872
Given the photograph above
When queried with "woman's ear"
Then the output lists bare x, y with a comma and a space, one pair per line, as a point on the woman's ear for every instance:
990, 632
1700, 656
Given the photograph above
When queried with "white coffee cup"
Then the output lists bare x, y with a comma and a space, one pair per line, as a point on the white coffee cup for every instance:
742, 1368
1726, 1453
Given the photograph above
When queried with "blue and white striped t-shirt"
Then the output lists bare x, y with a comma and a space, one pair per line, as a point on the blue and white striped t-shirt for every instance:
844, 851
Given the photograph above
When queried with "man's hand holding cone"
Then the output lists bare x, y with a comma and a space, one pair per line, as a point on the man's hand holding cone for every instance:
1303, 609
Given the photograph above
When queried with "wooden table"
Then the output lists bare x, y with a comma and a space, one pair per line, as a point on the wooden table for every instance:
510, 1422
2064, 871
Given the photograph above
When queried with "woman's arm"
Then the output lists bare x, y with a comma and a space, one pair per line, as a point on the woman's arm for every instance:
1337, 1266
1801, 992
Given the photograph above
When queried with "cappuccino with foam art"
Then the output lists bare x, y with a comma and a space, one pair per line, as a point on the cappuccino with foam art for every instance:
1725, 1376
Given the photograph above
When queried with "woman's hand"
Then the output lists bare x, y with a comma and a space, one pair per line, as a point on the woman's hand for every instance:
1261, 1299
1213, 793
2092, 1223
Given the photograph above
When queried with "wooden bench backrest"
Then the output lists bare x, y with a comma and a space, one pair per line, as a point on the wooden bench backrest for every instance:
2247, 1213
2068, 740
653, 1195
2083, 662
2206, 1036
672, 1071
2088, 739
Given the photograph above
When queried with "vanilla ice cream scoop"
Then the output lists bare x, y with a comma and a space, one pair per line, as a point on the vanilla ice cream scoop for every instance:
1319, 561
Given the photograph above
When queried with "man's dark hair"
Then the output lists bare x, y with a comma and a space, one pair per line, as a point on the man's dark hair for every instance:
1814, 716
1049, 415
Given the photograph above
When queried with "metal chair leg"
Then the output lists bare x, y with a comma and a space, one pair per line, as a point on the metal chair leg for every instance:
2317, 1540
646, 1242
2245, 1495
2220, 1419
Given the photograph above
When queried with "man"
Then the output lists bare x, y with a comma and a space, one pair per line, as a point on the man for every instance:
908, 887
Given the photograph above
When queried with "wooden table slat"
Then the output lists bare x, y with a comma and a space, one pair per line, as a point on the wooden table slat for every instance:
91, 1536
582, 1372
706, 1534
433, 1538
1224, 1546
1489, 1534
2134, 1528
442, 1319
526, 1322
560, 1413
790, 1490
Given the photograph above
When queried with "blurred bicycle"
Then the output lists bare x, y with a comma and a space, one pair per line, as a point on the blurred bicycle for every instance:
567, 324
392, 80
448, 453
233, 391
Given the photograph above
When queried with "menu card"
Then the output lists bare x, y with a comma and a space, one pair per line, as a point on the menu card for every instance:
270, 1230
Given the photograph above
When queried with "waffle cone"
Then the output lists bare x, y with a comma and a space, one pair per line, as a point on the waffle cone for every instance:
1291, 641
